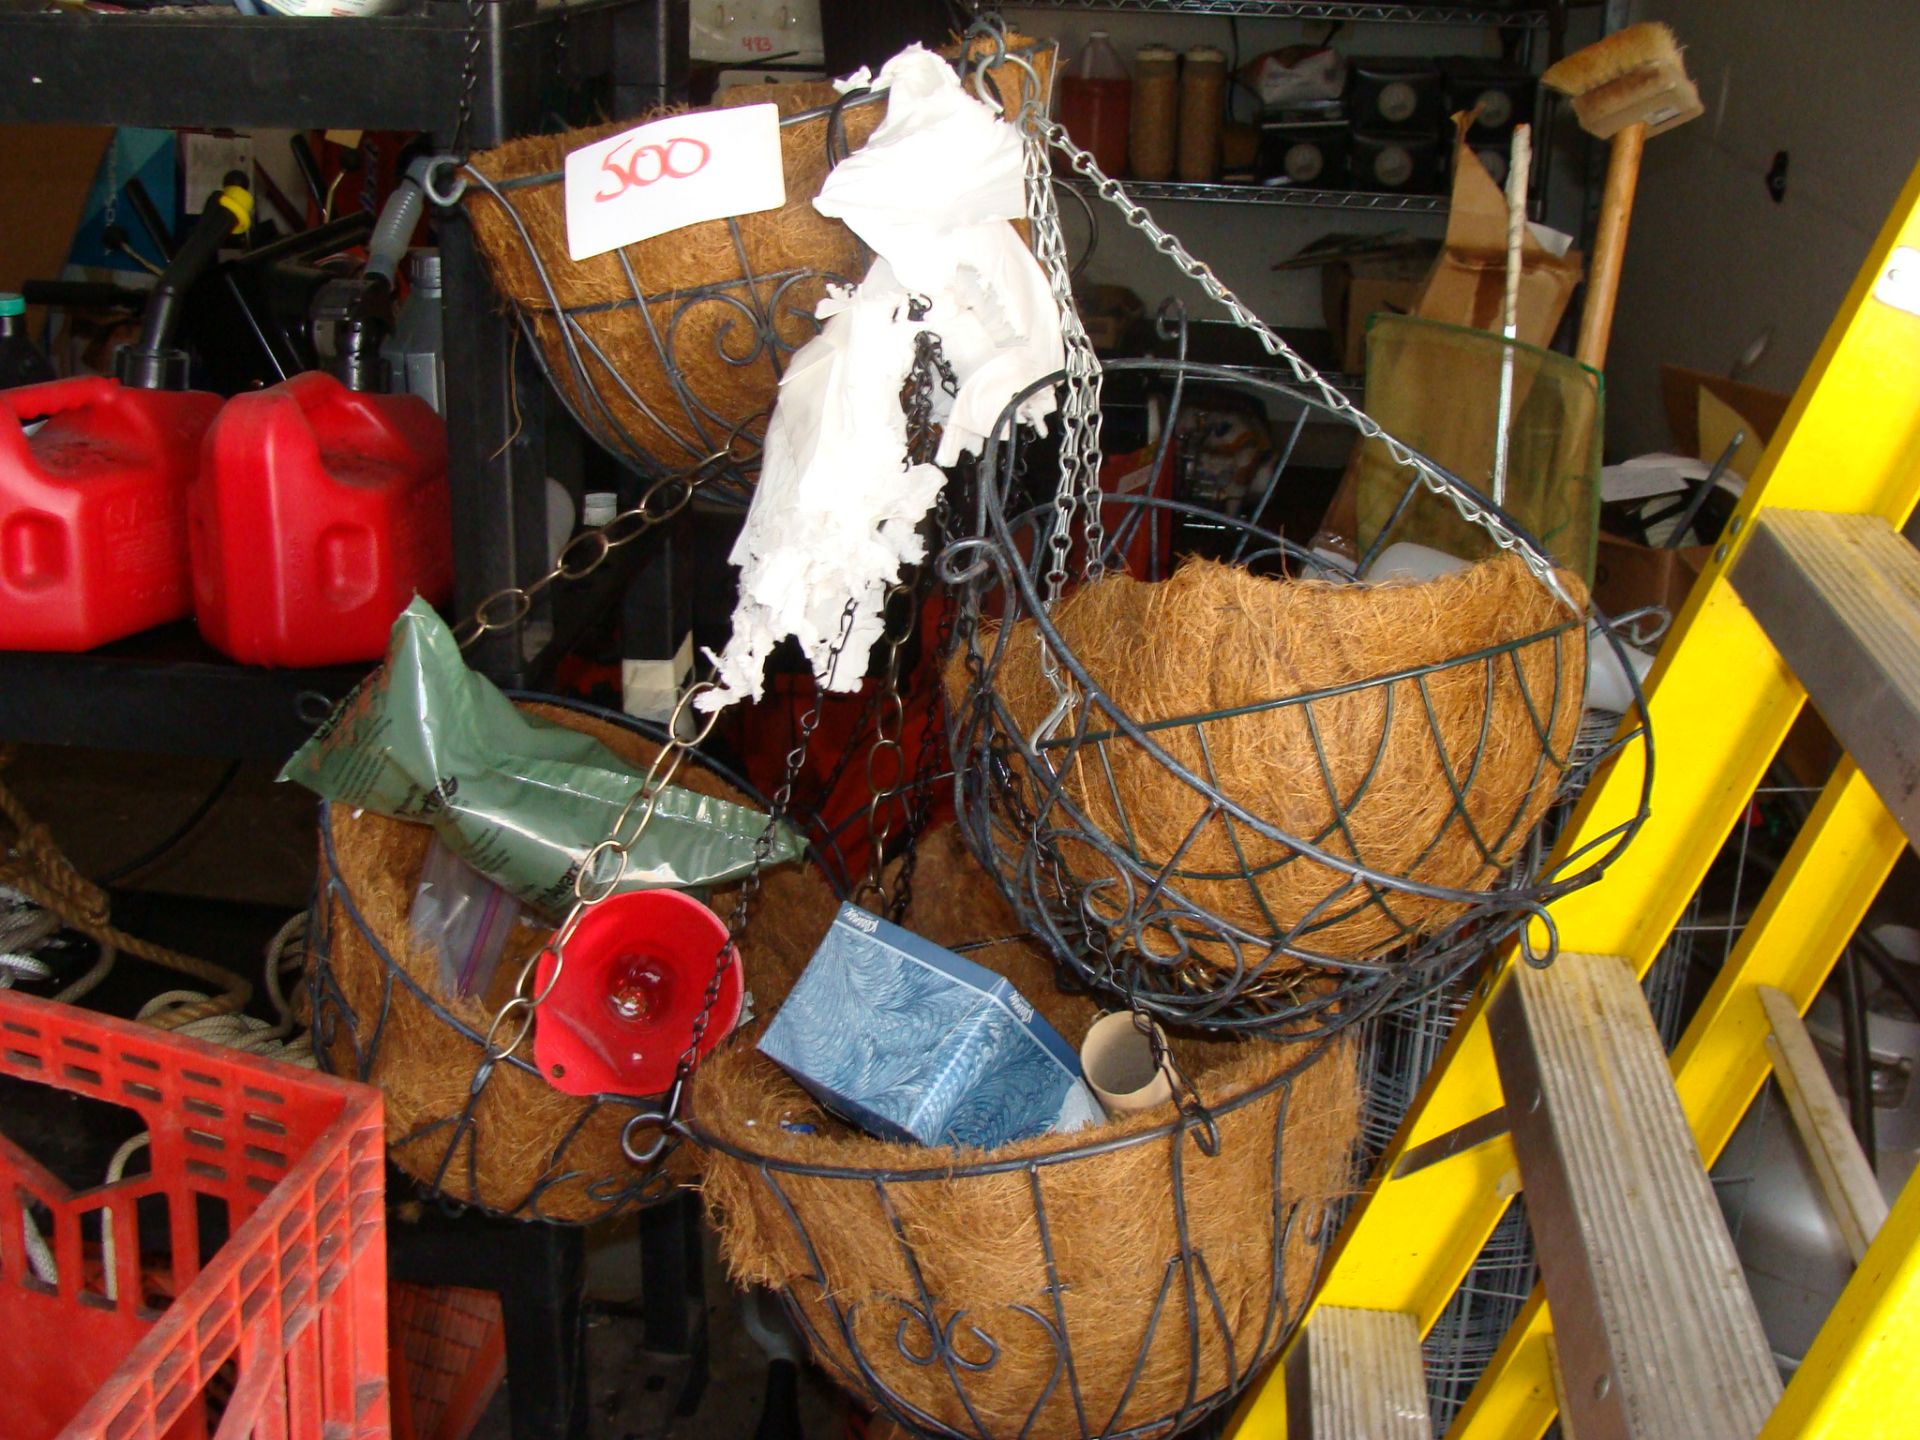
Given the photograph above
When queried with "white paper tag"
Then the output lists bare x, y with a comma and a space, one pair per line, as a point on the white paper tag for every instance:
669, 173
205, 161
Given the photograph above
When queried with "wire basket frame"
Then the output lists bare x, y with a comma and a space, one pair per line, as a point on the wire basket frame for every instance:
930, 1338
1042, 810
583, 1174
679, 378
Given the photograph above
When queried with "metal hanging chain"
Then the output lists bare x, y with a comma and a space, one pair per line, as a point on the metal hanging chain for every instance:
932, 735
583, 554
1463, 500
887, 772
592, 883
665, 1121
469, 75
887, 759
1079, 413
1186, 1095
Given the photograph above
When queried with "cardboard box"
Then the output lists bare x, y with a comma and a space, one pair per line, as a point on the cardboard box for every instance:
1627, 575
1680, 392
912, 1042
1354, 291
1467, 285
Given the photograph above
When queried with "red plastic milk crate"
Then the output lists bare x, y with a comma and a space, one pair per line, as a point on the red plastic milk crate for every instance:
281, 1334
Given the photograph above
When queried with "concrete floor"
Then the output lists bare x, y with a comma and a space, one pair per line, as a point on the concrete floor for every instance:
636, 1394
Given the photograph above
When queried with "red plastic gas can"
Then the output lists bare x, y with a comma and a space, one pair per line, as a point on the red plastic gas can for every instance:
93, 510
319, 511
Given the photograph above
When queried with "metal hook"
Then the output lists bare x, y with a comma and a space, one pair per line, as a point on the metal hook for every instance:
445, 196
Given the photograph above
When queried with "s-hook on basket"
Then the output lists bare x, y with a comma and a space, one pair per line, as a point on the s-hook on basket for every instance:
1342, 829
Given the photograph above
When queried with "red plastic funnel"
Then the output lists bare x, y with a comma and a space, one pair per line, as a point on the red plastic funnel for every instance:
635, 977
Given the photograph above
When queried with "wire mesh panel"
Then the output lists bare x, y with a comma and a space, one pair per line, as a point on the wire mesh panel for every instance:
1246, 804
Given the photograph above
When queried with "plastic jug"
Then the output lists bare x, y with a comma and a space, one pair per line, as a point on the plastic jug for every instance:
93, 510
21, 362
1096, 103
318, 512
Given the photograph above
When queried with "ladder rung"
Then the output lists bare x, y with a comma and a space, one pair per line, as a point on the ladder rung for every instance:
1839, 597
1357, 1376
1657, 1335
1840, 1165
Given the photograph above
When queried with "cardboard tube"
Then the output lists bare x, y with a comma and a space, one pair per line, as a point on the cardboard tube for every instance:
1117, 1060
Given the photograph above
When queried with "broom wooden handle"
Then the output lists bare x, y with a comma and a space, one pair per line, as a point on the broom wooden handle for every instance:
1610, 245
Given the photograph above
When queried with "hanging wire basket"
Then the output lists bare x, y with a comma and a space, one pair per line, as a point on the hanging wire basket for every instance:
1123, 1282
1232, 796
468, 1124
1241, 801
669, 352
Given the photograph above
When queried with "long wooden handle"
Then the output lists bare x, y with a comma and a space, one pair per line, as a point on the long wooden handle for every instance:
1610, 245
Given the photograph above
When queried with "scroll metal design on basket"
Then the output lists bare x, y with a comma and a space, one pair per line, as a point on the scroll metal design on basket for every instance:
649, 407
929, 1333
454, 1140
1128, 921
763, 318
1144, 922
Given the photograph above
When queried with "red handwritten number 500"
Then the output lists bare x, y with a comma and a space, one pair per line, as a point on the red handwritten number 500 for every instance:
675, 160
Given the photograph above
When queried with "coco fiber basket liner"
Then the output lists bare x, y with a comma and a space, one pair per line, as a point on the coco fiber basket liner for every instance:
502, 1138
1120, 1282
669, 352
1255, 794
1368, 719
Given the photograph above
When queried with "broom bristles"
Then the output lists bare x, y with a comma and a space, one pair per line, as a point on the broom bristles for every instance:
1638, 47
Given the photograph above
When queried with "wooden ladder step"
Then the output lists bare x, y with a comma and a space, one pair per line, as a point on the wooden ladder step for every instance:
1839, 597
1657, 1336
1357, 1376
1839, 1164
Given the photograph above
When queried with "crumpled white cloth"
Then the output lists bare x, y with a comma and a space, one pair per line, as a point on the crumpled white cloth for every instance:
836, 512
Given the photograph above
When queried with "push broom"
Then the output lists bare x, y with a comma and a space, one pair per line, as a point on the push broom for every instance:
1624, 88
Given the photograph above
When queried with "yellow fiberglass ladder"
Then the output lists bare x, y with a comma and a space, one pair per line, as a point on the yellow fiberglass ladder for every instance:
1555, 1081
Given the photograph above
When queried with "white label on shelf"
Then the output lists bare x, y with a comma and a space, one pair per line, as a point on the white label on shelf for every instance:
679, 171
205, 161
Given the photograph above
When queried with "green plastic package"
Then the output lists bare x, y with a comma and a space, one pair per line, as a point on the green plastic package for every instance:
425, 739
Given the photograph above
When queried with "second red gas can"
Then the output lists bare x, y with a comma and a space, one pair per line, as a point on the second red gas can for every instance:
318, 513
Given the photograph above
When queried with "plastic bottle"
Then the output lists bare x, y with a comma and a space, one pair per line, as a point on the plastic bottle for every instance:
1156, 112
1203, 99
1096, 103
413, 350
318, 513
21, 362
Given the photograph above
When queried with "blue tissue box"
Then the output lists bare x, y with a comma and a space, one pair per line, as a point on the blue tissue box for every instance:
912, 1042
